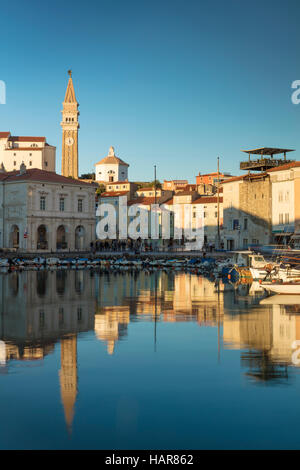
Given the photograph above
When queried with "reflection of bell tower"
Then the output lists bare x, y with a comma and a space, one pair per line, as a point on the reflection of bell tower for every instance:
68, 377
70, 128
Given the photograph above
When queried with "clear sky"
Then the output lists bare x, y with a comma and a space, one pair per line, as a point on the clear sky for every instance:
169, 82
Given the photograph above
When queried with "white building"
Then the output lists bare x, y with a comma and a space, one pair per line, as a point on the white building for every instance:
111, 168
285, 202
34, 152
43, 211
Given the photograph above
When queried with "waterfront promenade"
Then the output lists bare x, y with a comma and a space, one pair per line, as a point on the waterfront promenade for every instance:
109, 254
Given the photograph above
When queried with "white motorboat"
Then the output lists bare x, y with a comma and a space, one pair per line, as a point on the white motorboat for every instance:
288, 273
254, 262
288, 288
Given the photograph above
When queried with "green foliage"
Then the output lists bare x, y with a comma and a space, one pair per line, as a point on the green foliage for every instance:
101, 189
88, 176
149, 184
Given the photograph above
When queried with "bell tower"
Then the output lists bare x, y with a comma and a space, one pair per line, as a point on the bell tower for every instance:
70, 126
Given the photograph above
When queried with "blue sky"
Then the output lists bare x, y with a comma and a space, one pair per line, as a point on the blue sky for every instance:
168, 82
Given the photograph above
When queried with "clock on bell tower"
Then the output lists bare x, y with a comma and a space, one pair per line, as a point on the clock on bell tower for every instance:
70, 126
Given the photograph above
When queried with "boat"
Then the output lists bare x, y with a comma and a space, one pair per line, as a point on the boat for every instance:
52, 261
288, 288
248, 264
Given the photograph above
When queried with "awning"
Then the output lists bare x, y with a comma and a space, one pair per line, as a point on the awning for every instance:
296, 236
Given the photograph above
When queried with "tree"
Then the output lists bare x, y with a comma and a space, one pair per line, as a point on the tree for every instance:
101, 189
150, 184
88, 176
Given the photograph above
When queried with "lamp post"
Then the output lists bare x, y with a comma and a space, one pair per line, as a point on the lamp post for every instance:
218, 205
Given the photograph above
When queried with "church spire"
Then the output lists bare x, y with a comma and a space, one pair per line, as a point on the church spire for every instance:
70, 126
70, 93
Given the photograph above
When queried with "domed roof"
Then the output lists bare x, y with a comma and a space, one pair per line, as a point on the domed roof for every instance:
111, 159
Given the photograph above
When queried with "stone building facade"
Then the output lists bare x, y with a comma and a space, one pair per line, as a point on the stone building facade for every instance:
247, 210
43, 211
34, 152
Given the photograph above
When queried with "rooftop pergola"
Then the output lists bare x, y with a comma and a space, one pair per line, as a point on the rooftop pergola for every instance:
266, 160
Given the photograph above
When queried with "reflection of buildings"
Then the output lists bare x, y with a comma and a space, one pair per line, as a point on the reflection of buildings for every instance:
40, 308
68, 376
37, 310
161, 296
267, 332
111, 324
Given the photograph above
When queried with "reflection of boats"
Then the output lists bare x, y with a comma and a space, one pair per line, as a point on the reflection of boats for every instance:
255, 288
283, 287
281, 299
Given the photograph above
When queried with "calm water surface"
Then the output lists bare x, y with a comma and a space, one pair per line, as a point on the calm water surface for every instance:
163, 360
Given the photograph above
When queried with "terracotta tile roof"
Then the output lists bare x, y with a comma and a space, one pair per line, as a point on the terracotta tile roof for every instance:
13, 149
109, 160
114, 193
208, 200
184, 193
4, 135
169, 202
38, 175
244, 177
18, 138
145, 201
117, 182
148, 189
287, 166
184, 182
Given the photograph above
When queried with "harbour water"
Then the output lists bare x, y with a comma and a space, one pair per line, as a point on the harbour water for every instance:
149, 360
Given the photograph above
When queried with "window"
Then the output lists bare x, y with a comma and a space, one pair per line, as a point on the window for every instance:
245, 242
287, 196
194, 215
79, 314
281, 218
30, 163
204, 215
245, 224
287, 218
61, 204
30, 154
216, 214
79, 205
15, 163
46, 163
42, 319
42, 203
235, 224
61, 317
280, 198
